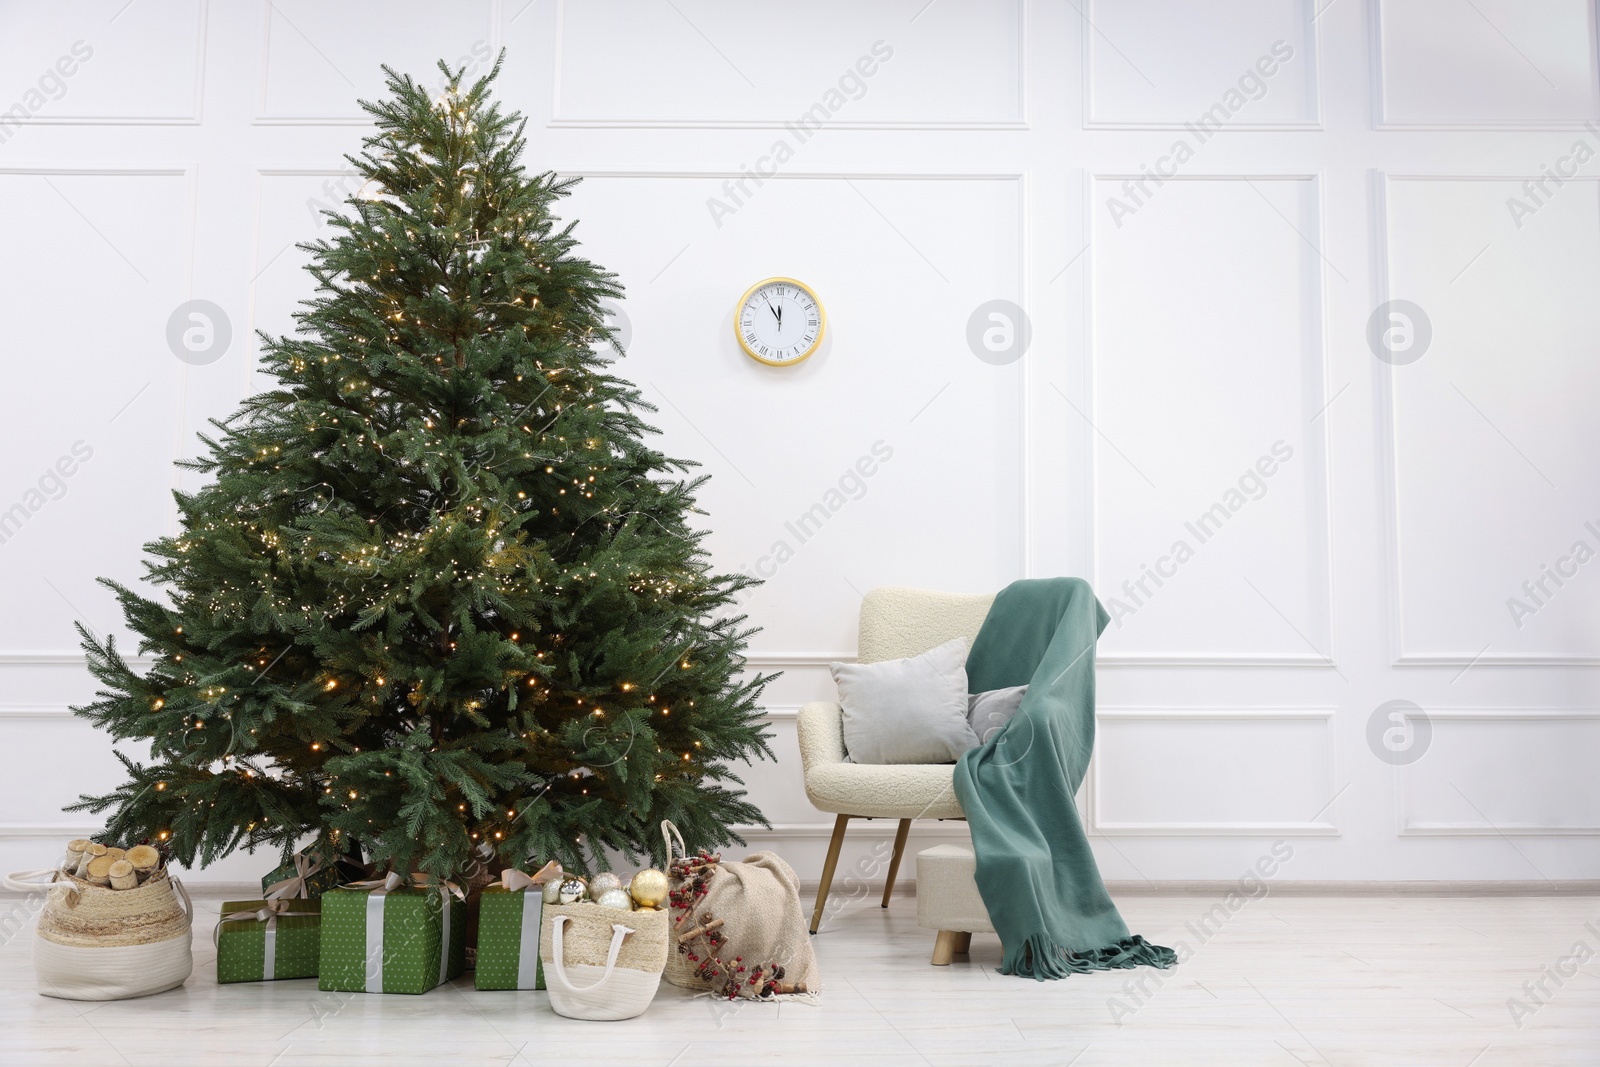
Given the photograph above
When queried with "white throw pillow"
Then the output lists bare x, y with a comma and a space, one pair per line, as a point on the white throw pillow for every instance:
987, 712
907, 710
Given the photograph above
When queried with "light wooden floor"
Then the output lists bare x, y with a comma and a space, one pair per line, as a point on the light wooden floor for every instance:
1286, 980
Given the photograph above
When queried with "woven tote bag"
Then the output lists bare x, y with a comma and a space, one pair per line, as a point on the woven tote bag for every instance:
95, 943
602, 963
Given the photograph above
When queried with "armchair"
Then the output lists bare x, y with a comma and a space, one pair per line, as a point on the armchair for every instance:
895, 623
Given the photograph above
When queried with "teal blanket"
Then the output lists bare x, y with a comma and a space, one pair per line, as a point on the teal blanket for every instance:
1035, 871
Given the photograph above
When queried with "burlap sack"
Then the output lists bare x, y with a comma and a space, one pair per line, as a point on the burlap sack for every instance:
760, 950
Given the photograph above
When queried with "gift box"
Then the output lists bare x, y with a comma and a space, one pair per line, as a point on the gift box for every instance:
508, 938
391, 937
310, 873
263, 940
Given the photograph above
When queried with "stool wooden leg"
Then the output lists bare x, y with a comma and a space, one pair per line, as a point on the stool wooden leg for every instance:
894, 861
963, 944
944, 948
827, 868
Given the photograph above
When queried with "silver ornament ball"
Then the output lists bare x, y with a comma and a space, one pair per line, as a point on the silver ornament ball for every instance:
615, 898
603, 883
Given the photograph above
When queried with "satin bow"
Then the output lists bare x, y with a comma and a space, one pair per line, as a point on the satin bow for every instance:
268, 913
513, 879
395, 880
295, 885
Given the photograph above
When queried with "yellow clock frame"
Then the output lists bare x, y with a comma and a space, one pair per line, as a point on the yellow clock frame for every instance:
822, 325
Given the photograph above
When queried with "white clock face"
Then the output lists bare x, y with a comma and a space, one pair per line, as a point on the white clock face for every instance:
780, 322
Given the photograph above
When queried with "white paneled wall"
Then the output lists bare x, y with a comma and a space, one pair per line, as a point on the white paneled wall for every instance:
1200, 205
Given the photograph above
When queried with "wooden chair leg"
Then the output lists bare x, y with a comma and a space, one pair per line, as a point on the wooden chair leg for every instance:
944, 947
827, 868
963, 944
894, 861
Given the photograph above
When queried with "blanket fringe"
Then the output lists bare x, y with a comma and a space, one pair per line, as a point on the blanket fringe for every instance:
1042, 958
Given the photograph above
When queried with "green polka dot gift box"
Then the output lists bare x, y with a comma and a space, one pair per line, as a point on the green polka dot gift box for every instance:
260, 941
508, 938
391, 938
309, 873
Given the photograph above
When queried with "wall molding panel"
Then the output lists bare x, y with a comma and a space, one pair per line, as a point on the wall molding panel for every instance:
1093, 38
1099, 776
1388, 438
276, 25
1529, 68
562, 96
1481, 826
189, 117
1311, 390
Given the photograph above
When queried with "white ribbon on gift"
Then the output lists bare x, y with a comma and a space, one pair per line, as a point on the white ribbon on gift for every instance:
378, 890
375, 902
444, 935
532, 886
528, 949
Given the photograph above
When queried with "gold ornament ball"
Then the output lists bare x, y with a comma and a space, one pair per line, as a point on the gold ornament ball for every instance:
573, 889
603, 882
649, 888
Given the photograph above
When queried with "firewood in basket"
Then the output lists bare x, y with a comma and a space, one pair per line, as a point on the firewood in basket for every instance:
116, 853
75, 849
99, 871
145, 860
121, 875
90, 854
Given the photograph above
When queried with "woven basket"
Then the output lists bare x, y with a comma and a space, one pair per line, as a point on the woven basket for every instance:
602, 963
95, 943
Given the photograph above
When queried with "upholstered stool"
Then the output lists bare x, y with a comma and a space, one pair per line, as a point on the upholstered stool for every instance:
948, 899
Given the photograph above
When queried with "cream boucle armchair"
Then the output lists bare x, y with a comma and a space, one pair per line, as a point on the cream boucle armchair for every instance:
895, 624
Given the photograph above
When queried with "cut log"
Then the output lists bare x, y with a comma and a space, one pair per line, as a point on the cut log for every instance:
99, 871
116, 853
145, 860
121, 875
89, 855
74, 855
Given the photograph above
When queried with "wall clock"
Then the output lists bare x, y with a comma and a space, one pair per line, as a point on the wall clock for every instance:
779, 322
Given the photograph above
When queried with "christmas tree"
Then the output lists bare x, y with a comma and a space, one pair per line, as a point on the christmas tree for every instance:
440, 593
